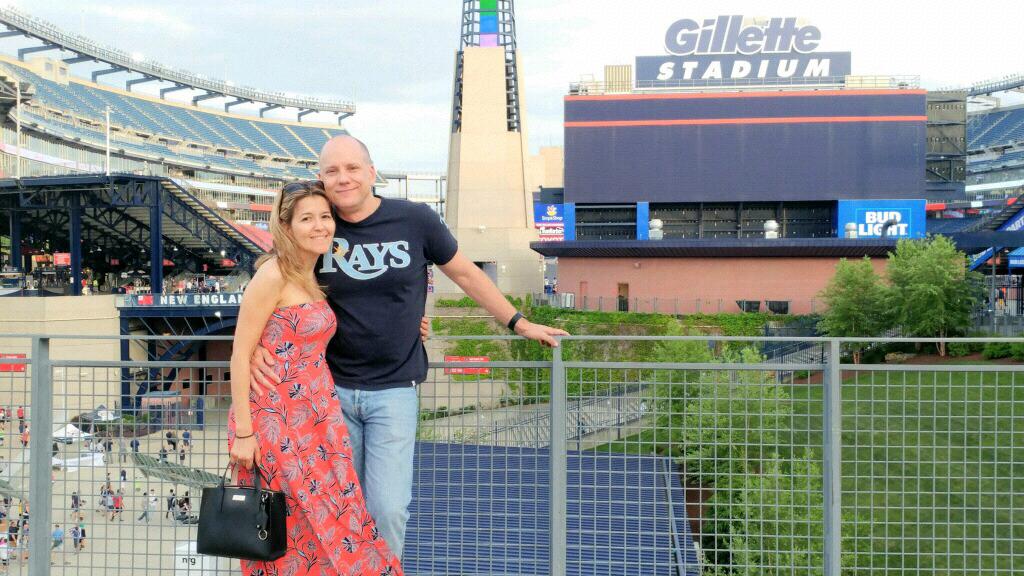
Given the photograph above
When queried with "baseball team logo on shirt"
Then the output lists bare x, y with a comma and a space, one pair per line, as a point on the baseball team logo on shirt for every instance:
366, 261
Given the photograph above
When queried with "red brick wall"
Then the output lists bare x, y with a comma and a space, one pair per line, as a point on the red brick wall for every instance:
688, 285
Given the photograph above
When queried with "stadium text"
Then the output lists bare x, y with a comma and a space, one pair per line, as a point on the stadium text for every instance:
655, 71
728, 35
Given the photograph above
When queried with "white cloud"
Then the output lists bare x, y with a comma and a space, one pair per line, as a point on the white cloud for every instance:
149, 15
404, 136
395, 58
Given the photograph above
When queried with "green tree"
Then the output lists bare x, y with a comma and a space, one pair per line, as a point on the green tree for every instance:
857, 300
933, 293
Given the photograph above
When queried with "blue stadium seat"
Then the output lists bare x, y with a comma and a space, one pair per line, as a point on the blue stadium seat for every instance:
998, 127
176, 122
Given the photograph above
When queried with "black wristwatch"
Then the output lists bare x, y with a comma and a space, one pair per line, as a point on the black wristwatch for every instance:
512, 321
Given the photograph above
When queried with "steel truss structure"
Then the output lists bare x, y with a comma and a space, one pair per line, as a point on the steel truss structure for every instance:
123, 216
506, 38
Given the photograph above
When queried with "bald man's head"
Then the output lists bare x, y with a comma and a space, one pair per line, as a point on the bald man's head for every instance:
344, 140
348, 175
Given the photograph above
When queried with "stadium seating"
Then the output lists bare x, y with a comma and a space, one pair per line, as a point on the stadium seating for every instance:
191, 135
998, 127
1012, 159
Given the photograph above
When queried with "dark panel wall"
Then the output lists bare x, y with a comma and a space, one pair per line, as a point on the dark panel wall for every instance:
820, 159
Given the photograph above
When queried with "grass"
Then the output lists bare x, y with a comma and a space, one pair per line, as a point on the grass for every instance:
933, 468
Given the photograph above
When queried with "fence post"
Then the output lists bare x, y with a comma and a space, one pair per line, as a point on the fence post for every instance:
39, 487
559, 464
832, 461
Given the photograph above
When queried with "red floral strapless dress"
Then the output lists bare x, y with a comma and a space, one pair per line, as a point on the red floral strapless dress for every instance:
305, 452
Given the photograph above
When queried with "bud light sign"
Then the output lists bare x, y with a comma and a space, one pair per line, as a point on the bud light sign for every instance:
878, 218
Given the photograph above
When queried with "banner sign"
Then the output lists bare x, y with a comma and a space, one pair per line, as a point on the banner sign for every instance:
62, 259
12, 367
905, 218
215, 299
732, 49
467, 370
549, 219
39, 157
548, 215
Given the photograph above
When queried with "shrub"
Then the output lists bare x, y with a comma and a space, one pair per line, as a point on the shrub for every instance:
994, 350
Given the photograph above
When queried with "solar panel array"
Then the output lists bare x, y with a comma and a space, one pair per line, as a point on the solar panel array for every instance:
480, 510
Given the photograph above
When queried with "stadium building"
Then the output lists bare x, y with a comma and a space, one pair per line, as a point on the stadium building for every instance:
147, 185
734, 172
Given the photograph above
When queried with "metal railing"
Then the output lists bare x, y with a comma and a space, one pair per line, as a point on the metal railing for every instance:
902, 82
674, 305
51, 34
702, 462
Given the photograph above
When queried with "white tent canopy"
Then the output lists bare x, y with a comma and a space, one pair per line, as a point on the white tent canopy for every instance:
70, 432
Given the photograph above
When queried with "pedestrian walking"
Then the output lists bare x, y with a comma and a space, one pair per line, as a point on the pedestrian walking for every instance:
149, 505
76, 538
57, 542
5, 553
118, 506
171, 501
81, 532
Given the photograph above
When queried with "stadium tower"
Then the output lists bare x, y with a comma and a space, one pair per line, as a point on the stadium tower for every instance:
488, 176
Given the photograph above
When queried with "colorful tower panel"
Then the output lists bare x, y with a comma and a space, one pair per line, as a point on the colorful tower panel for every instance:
488, 22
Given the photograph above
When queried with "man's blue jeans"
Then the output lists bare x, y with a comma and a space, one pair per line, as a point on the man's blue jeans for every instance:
382, 425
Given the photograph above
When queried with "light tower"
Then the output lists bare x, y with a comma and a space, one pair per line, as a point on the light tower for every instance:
489, 184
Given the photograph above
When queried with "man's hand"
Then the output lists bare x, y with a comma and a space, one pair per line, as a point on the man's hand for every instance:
424, 329
545, 335
262, 377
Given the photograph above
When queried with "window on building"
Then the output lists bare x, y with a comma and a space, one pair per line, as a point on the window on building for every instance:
749, 305
777, 306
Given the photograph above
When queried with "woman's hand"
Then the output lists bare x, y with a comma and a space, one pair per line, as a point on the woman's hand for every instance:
245, 451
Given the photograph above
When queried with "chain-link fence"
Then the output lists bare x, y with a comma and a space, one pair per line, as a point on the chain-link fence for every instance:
705, 462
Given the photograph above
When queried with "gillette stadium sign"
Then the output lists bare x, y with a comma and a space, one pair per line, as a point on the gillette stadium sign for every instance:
730, 50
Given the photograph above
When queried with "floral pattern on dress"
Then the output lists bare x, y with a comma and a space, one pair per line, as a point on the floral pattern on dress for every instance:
306, 452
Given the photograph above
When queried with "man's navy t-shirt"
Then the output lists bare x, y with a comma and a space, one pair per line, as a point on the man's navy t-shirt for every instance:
376, 283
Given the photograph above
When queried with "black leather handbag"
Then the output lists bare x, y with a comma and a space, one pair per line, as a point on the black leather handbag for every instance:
244, 522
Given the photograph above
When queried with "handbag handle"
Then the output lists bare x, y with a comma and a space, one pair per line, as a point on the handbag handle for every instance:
262, 514
256, 481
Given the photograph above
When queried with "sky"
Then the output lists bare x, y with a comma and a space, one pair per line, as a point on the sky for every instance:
395, 60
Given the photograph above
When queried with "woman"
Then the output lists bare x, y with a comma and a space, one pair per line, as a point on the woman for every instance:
295, 434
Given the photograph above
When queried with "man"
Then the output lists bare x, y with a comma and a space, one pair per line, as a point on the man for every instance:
58, 541
376, 283
171, 503
149, 505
